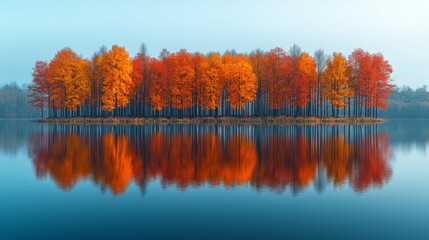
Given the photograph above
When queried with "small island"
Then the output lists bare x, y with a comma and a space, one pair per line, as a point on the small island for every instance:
273, 87
280, 120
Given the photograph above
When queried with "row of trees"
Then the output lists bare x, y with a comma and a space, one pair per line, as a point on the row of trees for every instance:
187, 84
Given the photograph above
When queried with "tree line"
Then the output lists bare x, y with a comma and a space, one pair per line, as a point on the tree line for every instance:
408, 103
14, 102
183, 84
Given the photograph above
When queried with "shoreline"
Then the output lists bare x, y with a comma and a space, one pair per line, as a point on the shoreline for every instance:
279, 120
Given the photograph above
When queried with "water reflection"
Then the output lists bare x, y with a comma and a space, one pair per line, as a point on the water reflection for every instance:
14, 135
278, 158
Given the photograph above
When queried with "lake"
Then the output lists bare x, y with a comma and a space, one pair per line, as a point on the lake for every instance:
214, 182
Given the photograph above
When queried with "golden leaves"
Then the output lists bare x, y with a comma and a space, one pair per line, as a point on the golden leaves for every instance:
117, 85
336, 81
68, 75
240, 80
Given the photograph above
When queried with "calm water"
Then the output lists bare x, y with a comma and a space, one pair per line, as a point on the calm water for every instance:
203, 182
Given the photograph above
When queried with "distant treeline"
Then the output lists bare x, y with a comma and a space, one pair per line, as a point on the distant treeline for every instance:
14, 102
184, 84
408, 103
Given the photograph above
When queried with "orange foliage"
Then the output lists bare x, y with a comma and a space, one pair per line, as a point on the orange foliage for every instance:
240, 80
373, 168
39, 88
185, 158
194, 84
211, 82
96, 77
181, 76
200, 67
137, 75
275, 82
118, 83
158, 92
116, 169
69, 77
338, 154
66, 159
370, 78
305, 83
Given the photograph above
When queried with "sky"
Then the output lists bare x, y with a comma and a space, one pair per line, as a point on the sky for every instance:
36, 30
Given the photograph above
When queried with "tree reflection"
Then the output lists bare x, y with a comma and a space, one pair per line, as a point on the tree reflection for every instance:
115, 168
65, 157
272, 157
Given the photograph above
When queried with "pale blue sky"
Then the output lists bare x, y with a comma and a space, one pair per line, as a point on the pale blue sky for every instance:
36, 30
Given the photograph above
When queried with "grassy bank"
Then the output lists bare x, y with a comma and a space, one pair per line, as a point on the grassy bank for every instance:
215, 120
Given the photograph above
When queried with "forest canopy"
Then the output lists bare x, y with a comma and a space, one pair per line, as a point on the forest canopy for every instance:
184, 84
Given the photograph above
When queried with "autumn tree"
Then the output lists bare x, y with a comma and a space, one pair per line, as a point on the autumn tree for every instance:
336, 82
274, 84
39, 88
181, 74
96, 77
370, 79
212, 84
80, 86
117, 85
141, 82
68, 75
295, 88
200, 67
383, 87
360, 62
304, 88
241, 82
138, 85
158, 92
54, 76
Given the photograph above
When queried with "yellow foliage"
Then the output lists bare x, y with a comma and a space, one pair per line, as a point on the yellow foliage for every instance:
69, 76
117, 85
335, 81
